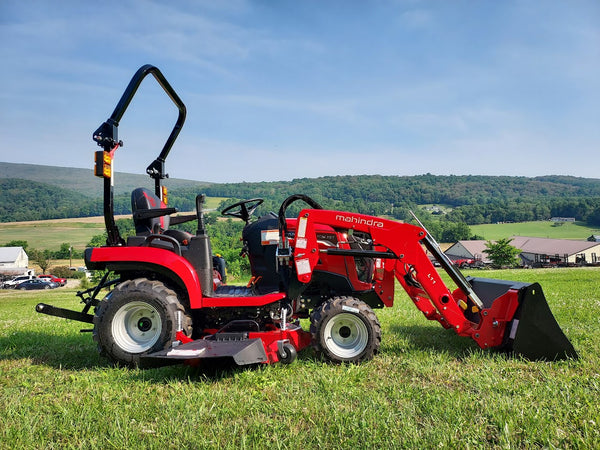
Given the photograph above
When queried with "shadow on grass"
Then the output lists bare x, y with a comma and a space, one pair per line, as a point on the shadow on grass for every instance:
209, 369
436, 339
79, 352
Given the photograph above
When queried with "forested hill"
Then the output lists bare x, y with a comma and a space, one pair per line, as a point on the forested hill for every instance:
422, 189
470, 199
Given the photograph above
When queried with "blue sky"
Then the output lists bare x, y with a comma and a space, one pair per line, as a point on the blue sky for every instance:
277, 90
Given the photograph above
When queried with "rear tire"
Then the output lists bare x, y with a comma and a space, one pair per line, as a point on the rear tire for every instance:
345, 329
138, 317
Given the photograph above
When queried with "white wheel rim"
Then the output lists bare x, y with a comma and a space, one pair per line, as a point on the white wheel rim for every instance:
136, 327
346, 335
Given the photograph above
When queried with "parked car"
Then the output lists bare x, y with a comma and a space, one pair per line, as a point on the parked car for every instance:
36, 284
468, 263
60, 281
463, 263
11, 284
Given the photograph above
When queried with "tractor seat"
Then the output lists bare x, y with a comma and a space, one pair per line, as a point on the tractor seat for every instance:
151, 216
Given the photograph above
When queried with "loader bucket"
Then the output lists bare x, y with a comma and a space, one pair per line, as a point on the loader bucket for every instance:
533, 331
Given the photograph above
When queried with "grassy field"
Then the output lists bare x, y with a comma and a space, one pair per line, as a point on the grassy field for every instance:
50, 234
426, 388
545, 229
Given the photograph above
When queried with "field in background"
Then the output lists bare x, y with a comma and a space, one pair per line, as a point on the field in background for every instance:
427, 387
50, 234
543, 229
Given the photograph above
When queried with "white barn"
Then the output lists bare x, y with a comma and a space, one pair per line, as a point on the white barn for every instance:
13, 260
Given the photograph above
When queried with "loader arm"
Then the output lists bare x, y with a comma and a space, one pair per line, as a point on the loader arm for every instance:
399, 254
504, 315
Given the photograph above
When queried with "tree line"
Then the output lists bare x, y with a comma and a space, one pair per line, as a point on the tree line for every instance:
470, 199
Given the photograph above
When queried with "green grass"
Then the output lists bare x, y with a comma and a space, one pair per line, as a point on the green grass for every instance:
426, 388
213, 202
49, 235
544, 229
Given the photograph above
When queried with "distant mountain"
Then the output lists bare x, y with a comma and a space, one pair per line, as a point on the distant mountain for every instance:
83, 181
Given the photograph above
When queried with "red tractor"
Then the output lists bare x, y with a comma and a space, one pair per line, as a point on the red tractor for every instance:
168, 302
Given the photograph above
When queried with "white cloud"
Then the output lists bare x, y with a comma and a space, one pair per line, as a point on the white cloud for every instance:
384, 87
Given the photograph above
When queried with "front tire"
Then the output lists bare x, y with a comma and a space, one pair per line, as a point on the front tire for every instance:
138, 317
345, 329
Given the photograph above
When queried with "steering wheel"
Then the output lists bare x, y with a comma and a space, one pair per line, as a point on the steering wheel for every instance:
243, 210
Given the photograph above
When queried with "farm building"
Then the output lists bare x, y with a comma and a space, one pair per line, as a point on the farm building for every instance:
468, 250
556, 251
534, 251
13, 260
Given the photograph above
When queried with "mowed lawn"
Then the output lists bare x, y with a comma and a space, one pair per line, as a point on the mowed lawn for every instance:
427, 387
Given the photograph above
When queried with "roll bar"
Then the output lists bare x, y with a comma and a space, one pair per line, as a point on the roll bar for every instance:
107, 137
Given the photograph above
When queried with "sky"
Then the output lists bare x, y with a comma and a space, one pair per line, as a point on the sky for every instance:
278, 90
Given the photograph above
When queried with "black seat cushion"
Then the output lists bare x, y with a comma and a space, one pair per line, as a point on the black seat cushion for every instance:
144, 199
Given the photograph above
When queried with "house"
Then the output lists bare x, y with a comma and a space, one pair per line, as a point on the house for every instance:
13, 260
594, 238
534, 251
468, 250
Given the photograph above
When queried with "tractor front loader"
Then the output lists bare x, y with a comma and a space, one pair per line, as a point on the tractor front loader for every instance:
504, 315
168, 300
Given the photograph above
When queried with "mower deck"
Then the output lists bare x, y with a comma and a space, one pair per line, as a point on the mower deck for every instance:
243, 352
243, 347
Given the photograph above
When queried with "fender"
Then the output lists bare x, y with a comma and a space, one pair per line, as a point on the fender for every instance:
158, 260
